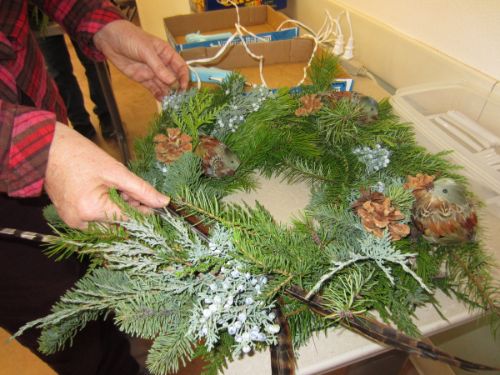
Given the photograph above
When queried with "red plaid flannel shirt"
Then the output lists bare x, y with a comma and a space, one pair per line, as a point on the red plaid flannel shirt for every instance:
29, 100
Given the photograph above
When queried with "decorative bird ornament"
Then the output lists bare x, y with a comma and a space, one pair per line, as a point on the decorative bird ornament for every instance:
442, 212
369, 108
217, 159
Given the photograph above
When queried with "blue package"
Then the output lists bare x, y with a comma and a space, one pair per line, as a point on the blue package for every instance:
340, 84
267, 36
210, 74
200, 38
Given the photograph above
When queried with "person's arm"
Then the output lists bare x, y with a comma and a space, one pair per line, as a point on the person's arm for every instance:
100, 30
81, 19
143, 57
36, 152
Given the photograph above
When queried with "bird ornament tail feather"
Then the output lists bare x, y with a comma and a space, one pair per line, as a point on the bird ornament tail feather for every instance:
387, 335
282, 356
25, 235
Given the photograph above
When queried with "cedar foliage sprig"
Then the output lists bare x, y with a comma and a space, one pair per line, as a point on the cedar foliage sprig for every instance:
196, 112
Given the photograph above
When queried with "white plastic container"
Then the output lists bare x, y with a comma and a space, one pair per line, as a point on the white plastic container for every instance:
459, 118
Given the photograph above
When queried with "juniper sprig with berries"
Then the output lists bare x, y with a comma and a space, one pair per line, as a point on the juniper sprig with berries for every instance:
351, 247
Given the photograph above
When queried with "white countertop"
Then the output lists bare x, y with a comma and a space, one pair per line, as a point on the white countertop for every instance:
340, 347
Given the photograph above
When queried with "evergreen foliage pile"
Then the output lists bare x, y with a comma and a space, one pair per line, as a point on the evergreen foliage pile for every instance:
157, 279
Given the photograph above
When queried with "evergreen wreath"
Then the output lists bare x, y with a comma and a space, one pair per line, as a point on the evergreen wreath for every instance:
227, 294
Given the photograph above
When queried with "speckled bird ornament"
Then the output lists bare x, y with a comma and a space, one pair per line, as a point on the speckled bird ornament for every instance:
442, 212
217, 159
369, 108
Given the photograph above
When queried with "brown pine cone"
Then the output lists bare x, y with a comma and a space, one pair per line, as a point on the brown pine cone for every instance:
171, 146
377, 214
310, 104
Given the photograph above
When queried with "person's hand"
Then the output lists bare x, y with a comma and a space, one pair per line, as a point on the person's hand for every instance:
143, 57
78, 178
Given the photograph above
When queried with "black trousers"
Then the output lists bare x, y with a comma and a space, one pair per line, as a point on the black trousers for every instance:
30, 283
60, 68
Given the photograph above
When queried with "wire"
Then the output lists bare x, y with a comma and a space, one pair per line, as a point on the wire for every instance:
324, 37
349, 48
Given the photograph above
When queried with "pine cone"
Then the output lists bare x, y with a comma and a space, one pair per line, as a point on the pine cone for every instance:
171, 146
310, 104
377, 214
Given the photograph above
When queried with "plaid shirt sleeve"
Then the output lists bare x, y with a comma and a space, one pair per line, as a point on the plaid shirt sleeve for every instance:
25, 138
82, 19
27, 130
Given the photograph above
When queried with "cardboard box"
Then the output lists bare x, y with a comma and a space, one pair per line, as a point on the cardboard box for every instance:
284, 62
203, 5
262, 21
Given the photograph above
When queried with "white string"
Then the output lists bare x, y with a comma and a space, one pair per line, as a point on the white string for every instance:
207, 60
240, 30
337, 21
325, 36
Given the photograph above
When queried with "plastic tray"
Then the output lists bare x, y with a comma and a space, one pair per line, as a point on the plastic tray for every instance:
460, 118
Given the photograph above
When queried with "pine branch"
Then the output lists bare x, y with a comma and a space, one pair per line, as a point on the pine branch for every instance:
480, 287
167, 351
323, 70
150, 316
218, 358
194, 113
59, 336
400, 197
339, 125
68, 241
243, 180
266, 138
377, 250
184, 173
301, 170
92, 296
409, 159
345, 294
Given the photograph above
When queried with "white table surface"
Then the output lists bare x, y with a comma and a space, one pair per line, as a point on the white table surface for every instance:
340, 347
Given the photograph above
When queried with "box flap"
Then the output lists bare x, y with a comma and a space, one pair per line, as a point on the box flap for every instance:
217, 20
279, 52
